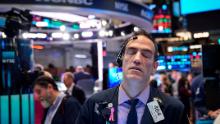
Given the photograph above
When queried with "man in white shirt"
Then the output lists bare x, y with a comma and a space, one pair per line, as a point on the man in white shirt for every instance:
72, 89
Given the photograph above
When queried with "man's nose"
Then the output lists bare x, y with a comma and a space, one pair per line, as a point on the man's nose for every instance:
137, 58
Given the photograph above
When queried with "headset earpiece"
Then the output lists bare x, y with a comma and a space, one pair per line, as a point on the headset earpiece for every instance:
119, 58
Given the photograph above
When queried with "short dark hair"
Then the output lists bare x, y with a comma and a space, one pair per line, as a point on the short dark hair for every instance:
133, 37
43, 81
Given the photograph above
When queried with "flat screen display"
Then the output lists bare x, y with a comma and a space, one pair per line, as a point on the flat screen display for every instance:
115, 76
196, 6
179, 62
161, 63
8, 57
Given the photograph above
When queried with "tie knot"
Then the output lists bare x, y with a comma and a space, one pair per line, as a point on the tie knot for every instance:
133, 102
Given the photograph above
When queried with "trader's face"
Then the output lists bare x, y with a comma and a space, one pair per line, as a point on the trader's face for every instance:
138, 59
42, 95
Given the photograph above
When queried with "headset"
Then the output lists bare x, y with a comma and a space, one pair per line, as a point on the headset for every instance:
120, 55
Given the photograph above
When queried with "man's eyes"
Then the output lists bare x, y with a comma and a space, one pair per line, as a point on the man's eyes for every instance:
131, 51
145, 53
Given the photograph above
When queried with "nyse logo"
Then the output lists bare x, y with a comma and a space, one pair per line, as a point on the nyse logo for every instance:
121, 6
146, 14
77, 2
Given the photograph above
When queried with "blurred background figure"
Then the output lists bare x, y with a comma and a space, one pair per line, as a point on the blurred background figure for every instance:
59, 108
88, 69
71, 69
81, 74
72, 88
84, 80
175, 77
166, 85
39, 110
185, 93
190, 77
52, 69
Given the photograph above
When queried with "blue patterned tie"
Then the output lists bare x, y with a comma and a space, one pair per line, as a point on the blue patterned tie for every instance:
132, 115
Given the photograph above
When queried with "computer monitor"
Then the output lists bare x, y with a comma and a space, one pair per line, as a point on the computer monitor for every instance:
210, 60
61, 86
115, 76
211, 74
179, 62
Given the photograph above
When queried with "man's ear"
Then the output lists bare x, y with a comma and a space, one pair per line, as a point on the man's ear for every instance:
155, 65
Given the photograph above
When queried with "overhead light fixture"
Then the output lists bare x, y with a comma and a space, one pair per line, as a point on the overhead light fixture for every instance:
62, 27
91, 16
57, 35
84, 25
160, 28
136, 29
38, 47
42, 24
170, 49
110, 33
81, 56
76, 36
104, 22
195, 46
3, 35
87, 34
61, 16
34, 35
122, 33
66, 36
201, 35
103, 33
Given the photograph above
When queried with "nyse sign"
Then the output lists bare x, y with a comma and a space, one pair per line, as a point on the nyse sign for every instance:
121, 6
77, 2
146, 14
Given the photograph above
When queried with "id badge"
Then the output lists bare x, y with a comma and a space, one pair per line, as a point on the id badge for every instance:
155, 111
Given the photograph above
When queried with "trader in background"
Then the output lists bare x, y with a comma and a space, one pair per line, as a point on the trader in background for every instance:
59, 109
72, 89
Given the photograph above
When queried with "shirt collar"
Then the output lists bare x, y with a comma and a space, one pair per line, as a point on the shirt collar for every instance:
70, 89
143, 97
58, 99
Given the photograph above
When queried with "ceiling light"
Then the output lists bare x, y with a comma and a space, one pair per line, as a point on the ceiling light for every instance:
41, 24
66, 36
91, 16
61, 16
81, 56
104, 22
34, 35
136, 29
122, 33
76, 36
57, 35
110, 33
102, 33
87, 34
62, 27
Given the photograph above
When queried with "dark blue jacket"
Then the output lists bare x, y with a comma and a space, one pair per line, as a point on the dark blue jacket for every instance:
173, 109
67, 112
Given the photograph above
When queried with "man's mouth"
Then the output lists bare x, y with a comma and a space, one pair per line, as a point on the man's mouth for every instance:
135, 68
